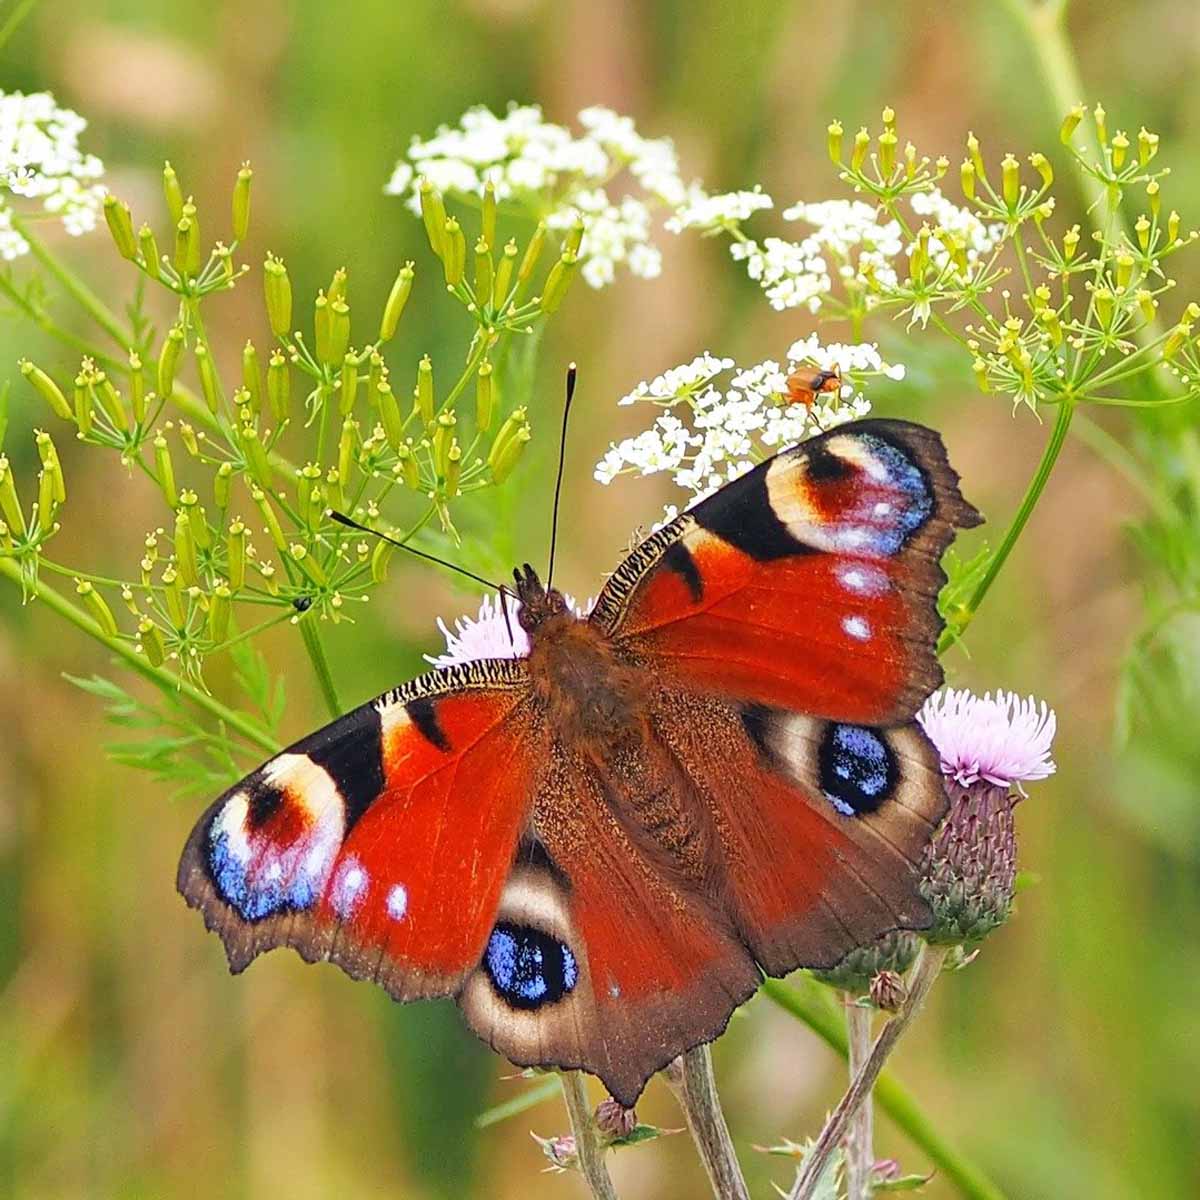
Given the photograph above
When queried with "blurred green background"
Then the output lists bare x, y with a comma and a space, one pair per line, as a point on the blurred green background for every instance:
1066, 1058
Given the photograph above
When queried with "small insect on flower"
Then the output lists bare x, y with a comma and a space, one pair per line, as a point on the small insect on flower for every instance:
805, 383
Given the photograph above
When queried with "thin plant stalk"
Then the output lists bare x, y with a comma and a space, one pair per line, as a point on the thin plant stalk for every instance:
320, 665
922, 977
691, 1079
587, 1141
860, 1143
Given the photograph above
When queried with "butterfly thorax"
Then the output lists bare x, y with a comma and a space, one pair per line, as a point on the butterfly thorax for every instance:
592, 698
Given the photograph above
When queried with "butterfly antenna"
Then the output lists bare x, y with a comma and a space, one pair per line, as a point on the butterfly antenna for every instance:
351, 523
562, 456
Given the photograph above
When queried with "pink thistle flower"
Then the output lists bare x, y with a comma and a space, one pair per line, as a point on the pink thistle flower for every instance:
1000, 739
488, 635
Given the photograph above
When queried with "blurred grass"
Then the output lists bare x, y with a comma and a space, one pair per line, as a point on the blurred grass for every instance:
131, 1065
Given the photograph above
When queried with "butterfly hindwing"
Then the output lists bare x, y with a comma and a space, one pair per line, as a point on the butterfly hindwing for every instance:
381, 842
809, 583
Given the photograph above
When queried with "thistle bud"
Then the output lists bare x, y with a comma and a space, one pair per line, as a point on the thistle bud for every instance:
241, 203
454, 253
150, 642
488, 216
966, 175
210, 385
172, 192
558, 282
397, 299
120, 225
1041, 164
423, 396
389, 414
1070, 123
834, 142
97, 606
858, 155
614, 1121
278, 290
484, 273
853, 974
1147, 145
47, 389
279, 386
888, 992
1120, 148
433, 214
348, 385
165, 471
10, 506
235, 555
168, 361
887, 153
485, 397
148, 247
1010, 175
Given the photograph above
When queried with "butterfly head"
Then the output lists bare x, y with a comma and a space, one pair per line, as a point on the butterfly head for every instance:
538, 602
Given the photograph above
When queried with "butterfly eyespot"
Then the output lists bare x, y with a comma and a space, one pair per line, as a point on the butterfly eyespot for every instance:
857, 769
529, 968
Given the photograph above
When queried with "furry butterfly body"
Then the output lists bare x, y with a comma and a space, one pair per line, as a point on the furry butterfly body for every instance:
600, 848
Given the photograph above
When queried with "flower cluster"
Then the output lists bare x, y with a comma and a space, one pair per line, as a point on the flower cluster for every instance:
710, 434
40, 159
551, 174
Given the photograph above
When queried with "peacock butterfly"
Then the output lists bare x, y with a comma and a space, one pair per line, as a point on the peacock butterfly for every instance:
599, 848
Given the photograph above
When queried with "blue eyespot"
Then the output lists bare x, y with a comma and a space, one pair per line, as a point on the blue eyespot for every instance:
905, 518
858, 770
529, 968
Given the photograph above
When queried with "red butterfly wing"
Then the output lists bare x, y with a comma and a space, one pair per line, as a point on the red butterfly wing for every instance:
809, 583
381, 842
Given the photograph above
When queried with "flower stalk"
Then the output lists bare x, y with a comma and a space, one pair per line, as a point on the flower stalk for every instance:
692, 1081
588, 1148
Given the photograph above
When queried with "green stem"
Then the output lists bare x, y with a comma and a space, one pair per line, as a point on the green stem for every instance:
320, 665
161, 678
83, 295
807, 1000
1058, 435
587, 1141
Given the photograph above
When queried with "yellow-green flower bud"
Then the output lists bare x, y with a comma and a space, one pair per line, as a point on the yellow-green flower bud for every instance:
252, 375
910, 160
389, 414
1125, 265
172, 192
1176, 340
558, 282
279, 386
151, 642
1041, 164
346, 449
164, 470
184, 238
98, 607
168, 361
83, 405
1010, 175
887, 153
533, 252
148, 247
574, 239
862, 143
454, 253
120, 225
321, 328
348, 385
453, 470
47, 389
51, 466
137, 386
337, 286
219, 612
1120, 148
1154, 195
976, 156
241, 203
443, 435
270, 582
222, 482
485, 397
488, 217
406, 463
173, 596
273, 528
277, 287
433, 214
376, 373
1173, 228
308, 564
1070, 242
1099, 116
397, 299
257, 463
235, 555
210, 385
1141, 227
940, 166
46, 503
6, 541
502, 463
306, 478
1070, 123
1147, 145
484, 274
333, 489
339, 331
504, 274
10, 506
187, 435
423, 395
380, 557
1147, 305
1053, 326
185, 549
833, 142
966, 175
1103, 300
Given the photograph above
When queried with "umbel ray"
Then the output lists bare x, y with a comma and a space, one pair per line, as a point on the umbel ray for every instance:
599, 848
